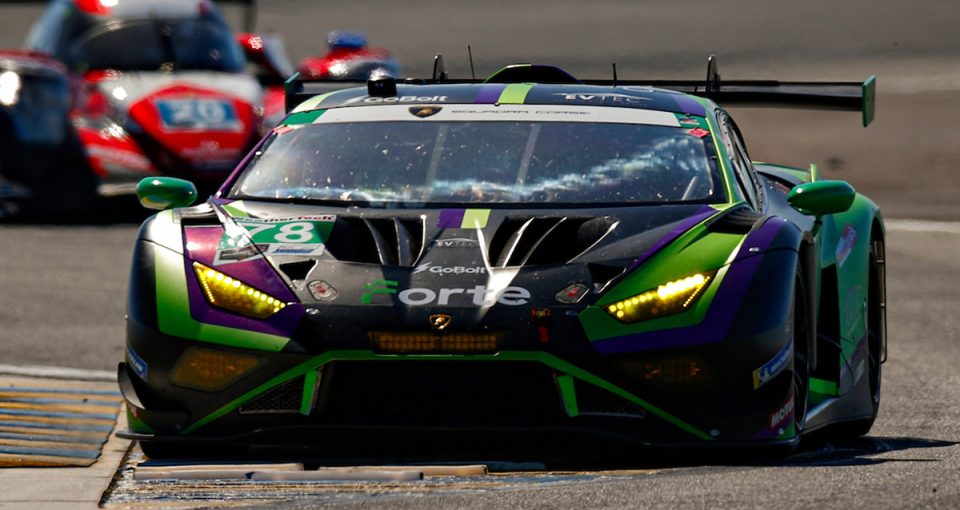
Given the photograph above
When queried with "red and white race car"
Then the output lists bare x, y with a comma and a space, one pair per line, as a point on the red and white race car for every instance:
146, 87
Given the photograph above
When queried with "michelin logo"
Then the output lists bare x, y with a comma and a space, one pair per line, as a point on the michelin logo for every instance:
770, 369
443, 270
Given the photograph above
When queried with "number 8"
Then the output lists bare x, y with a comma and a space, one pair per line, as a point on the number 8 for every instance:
299, 232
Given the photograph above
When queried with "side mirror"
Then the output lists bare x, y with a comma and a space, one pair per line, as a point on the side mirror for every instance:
822, 197
165, 193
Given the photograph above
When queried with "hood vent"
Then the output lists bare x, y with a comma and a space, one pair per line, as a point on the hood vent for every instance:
298, 270
202, 214
738, 220
542, 241
384, 241
603, 274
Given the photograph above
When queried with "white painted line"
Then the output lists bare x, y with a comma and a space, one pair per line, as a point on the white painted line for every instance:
942, 227
338, 474
232, 471
74, 374
321, 474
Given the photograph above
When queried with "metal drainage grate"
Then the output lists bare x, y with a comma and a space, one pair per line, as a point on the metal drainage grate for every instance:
54, 423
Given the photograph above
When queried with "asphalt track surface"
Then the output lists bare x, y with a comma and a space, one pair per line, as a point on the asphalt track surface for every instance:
62, 287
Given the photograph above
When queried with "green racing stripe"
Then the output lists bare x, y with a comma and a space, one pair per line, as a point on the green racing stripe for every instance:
313, 364
515, 93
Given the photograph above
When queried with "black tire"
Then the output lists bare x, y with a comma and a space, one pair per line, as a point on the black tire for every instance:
194, 450
801, 350
876, 340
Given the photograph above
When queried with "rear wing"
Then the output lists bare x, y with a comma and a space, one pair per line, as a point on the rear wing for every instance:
847, 96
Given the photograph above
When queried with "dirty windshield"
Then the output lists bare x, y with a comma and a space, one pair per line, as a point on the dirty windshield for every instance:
414, 162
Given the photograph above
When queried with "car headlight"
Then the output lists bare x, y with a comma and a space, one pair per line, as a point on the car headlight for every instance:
667, 299
233, 295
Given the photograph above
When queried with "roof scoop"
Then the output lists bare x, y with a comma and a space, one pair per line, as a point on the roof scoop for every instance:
532, 73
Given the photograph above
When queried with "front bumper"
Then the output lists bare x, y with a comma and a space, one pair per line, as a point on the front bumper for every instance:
341, 399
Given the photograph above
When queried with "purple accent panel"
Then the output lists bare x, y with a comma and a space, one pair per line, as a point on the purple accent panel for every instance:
684, 225
714, 327
450, 218
201, 244
489, 93
760, 238
689, 105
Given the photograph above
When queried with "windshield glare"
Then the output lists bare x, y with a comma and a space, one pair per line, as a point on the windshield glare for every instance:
482, 163
149, 45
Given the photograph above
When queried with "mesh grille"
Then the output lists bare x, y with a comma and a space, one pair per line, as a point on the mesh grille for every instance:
285, 398
594, 401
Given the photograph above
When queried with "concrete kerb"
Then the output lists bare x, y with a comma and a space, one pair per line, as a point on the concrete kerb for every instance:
64, 487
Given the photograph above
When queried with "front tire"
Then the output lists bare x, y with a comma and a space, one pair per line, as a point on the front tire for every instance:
876, 340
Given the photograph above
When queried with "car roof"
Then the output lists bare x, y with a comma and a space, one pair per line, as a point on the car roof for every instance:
637, 97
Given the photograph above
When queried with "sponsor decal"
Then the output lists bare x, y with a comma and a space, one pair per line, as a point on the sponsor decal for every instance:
377, 287
303, 235
231, 255
315, 249
198, 114
445, 270
463, 218
604, 97
397, 99
457, 242
425, 111
847, 239
322, 291
698, 132
478, 295
770, 369
306, 230
691, 121
137, 364
781, 415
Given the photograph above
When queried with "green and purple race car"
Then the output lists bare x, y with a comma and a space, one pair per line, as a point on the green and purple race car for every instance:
529, 259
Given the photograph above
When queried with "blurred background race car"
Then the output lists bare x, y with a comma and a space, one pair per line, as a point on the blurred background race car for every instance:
108, 92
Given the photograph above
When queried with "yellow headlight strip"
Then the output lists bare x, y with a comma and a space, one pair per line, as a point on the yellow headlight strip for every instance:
233, 295
667, 299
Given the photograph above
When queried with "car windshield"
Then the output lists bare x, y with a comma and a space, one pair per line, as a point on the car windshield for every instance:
159, 43
408, 163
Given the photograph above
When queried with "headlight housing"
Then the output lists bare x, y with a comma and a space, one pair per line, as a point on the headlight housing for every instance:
667, 299
235, 296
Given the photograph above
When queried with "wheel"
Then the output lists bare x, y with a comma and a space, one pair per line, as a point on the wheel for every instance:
801, 365
876, 340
